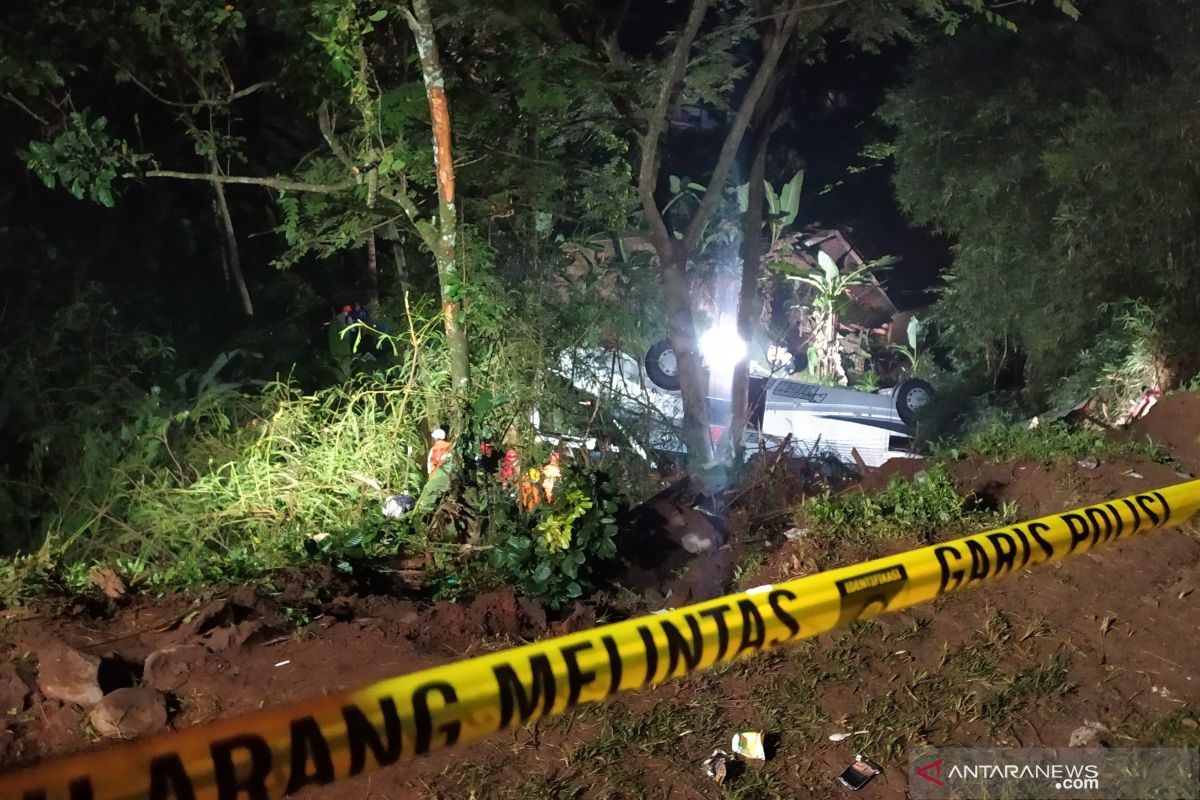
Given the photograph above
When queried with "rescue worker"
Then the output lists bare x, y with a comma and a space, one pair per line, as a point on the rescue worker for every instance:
438, 453
437, 464
341, 347
530, 489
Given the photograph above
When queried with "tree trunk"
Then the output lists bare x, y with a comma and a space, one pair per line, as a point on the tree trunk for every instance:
673, 253
216, 211
749, 303
829, 356
231, 245
399, 260
693, 379
444, 240
372, 275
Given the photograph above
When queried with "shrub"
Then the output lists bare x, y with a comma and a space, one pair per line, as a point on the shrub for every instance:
559, 557
1055, 441
919, 508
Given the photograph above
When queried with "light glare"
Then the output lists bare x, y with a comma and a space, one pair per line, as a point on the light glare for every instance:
722, 347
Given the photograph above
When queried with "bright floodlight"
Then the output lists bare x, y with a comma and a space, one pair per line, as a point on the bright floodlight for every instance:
722, 347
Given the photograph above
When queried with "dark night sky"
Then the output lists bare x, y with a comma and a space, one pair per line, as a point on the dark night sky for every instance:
831, 124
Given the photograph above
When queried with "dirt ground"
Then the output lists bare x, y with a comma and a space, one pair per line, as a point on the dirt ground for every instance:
1110, 637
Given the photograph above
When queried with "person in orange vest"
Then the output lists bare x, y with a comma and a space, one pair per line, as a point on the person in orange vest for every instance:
438, 453
530, 489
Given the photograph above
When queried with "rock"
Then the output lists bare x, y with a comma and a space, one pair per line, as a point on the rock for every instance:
129, 713
534, 614
1091, 734
13, 691
168, 669
69, 675
581, 619
244, 596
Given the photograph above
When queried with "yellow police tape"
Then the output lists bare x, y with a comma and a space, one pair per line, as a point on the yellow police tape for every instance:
314, 742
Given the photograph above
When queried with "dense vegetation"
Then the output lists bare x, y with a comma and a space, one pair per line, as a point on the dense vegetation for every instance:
1063, 164
193, 190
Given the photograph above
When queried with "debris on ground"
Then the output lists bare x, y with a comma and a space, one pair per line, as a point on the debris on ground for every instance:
795, 534
696, 545
749, 744
396, 506
860, 773
108, 582
715, 765
1091, 734
168, 668
1088, 463
841, 737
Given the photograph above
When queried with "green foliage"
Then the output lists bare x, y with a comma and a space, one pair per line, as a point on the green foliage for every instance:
1001, 442
53, 407
204, 479
207, 478
831, 284
867, 382
1128, 356
1070, 186
83, 158
921, 508
574, 538
782, 207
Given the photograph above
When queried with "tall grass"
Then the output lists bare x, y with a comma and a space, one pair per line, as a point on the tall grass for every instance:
233, 483
307, 464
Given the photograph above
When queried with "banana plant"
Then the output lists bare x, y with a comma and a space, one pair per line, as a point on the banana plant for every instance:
832, 291
782, 206
912, 351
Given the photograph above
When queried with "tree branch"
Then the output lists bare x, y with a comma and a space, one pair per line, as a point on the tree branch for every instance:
676, 68
773, 46
281, 184
405, 202
17, 102
239, 94
326, 125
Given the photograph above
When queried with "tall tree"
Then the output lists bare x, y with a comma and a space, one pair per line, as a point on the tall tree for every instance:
442, 239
